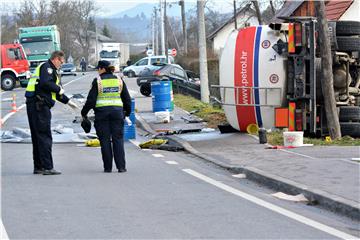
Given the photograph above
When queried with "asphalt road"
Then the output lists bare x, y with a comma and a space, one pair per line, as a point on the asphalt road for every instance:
163, 194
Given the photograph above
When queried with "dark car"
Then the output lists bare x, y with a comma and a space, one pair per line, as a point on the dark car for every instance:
160, 72
68, 69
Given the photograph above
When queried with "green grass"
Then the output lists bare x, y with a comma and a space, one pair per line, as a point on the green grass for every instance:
212, 115
276, 138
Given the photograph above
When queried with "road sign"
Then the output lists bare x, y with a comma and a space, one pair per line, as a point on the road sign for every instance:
173, 52
149, 52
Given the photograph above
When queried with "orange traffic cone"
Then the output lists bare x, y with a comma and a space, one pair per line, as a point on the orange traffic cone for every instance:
13, 104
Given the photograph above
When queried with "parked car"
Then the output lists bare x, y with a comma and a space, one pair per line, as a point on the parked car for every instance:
135, 69
193, 77
68, 69
160, 72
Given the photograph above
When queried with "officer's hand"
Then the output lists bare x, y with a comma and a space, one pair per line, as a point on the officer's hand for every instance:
62, 91
73, 105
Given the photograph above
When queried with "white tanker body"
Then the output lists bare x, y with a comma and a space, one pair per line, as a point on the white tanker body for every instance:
252, 77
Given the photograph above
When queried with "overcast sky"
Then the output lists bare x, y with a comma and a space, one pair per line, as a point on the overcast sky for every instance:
110, 7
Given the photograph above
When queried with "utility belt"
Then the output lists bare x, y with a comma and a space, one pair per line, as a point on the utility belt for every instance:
41, 102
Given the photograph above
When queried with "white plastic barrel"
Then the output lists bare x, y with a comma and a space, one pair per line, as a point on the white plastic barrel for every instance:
294, 139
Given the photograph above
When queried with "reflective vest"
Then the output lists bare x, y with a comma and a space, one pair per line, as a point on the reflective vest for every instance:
109, 91
30, 89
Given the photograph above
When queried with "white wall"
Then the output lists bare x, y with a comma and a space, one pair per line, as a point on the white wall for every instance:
221, 37
353, 12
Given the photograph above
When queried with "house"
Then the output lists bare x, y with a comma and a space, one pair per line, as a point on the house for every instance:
246, 15
334, 9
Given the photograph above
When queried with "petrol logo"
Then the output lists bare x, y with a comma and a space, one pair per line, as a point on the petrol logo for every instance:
274, 78
265, 44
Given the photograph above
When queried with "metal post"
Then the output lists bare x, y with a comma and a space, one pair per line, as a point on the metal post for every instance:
235, 14
162, 28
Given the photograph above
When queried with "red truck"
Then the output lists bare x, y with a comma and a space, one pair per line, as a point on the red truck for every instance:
14, 66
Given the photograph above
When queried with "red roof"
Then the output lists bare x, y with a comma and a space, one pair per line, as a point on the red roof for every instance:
335, 9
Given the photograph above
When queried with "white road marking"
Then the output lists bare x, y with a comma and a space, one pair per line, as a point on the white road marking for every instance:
172, 162
355, 159
157, 155
7, 116
303, 155
3, 233
76, 79
272, 207
136, 143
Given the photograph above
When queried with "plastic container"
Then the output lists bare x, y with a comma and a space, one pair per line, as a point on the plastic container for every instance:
162, 117
130, 131
294, 139
162, 96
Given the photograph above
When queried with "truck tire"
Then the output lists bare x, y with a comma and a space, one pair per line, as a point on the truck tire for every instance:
349, 113
351, 129
145, 89
8, 82
347, 28
348, 44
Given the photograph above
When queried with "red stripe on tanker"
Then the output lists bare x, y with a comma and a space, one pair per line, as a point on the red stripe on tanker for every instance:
243, 76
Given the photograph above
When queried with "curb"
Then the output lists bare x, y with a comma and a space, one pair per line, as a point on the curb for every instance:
326, 200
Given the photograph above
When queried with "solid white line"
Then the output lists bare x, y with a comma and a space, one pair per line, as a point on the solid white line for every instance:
303, 155
136, 143
172, 162
272, 207
7, 116
3, 233
76, 79
157, 155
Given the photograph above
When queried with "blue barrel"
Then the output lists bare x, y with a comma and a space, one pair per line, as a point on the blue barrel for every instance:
130, 131
162, 96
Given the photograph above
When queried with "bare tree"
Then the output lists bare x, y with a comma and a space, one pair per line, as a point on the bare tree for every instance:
204, 86
258, 12
327, 76
83, 11
183, 19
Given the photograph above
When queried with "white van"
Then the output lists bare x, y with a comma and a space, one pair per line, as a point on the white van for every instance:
136, 68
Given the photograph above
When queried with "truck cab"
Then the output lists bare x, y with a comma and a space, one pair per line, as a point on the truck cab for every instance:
14, 66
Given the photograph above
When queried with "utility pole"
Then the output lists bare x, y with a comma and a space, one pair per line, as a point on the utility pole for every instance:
183, 18
153, 30
327, 84
96, 43
235, 21
162, 28
165, 35
204, 85
156, 33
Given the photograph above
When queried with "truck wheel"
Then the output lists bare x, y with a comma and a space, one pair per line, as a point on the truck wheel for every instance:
349, 113
351, 129
131, 74
8, 82
348, 44
145, 89
347, 28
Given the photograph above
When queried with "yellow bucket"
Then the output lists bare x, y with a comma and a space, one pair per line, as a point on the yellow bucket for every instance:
252, 129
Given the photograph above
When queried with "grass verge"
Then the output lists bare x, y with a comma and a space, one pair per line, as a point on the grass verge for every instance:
276, 138
212, 115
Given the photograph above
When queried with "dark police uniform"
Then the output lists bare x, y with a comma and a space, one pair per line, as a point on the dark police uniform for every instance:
41, 94
109, 117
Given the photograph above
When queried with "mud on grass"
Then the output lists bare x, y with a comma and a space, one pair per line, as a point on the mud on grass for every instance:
212, 115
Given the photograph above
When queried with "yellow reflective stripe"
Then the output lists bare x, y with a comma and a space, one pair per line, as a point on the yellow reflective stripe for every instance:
53, 94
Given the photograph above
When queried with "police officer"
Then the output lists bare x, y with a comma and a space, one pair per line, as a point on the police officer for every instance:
110, 99
41, 93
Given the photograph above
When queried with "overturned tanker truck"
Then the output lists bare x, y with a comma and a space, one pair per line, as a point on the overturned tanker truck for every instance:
271, 76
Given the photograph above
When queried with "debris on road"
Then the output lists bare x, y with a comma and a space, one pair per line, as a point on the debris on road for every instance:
92, 143
152, 142
293, 198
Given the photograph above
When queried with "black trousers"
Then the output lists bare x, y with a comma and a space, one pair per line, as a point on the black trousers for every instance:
110, 129
40, 128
